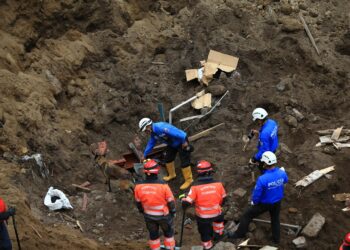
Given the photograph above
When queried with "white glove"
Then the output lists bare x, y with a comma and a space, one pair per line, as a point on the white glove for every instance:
282, 168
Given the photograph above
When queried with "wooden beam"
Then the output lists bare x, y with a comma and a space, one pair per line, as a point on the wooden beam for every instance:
83, 189
85, 201
336, 134
309, 33
203, 133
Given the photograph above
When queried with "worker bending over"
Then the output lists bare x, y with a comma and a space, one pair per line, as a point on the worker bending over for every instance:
267, 196
268, 136
176, 140
5, 242
208, 196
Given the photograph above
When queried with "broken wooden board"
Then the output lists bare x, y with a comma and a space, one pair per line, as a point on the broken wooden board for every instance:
315, 175
224, 62
202, 102
341, 196
84, 203
330, 132
336, 134
203, 133
268, 248
346, 209
83, 189
341, 145
326, 139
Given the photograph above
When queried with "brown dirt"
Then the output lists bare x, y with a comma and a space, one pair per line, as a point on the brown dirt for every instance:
75, 72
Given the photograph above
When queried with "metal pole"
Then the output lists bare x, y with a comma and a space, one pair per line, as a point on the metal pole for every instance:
14, 226
179, 106
182, 226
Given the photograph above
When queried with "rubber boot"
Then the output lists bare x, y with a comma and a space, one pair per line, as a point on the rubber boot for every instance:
187, 173
170, 167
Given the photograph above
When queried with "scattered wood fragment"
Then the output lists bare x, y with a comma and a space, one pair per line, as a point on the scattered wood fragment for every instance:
338, 145
315, 175
85, 184
341, 196
346, 209
336, 134
36, 231
330, 131
85, 201
158, 63
71, 219
309, 33
84, 189
79, 226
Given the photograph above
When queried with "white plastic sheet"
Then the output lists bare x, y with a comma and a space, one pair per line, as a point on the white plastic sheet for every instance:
60, 203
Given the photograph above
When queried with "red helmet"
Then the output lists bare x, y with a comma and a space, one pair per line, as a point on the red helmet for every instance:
151, 167
204, 166
347, 239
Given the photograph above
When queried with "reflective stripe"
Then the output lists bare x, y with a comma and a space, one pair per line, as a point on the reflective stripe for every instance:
170, 199
154, 207
219, 224
169, 243
154, 244
154, 212
208, 215
208, 208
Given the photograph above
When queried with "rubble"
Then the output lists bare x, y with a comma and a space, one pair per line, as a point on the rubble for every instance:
224, 246
300, 242
240, 192
314, 226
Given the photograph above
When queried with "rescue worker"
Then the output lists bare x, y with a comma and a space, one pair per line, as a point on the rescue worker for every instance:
208, 196
267, 196
156, 202
268, 136
176, 140
346, 243
5, 242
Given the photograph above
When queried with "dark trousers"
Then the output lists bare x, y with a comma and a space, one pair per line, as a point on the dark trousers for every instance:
255, 211
153, 223
185, 155
5, 242
205, 227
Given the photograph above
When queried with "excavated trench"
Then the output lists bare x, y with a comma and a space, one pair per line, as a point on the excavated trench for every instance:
76, 72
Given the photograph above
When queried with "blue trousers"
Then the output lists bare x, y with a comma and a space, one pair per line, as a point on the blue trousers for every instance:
5, 242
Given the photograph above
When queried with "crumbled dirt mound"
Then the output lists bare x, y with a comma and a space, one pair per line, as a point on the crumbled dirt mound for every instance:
75, 72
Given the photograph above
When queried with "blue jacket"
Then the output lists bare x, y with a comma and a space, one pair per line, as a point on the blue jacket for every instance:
165, 133
268, 138
269, 187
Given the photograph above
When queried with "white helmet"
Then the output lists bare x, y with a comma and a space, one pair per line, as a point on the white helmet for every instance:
259, 113
144, 122
269, 158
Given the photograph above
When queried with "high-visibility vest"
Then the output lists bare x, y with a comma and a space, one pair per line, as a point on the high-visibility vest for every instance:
154, 198
3, 207
208, 198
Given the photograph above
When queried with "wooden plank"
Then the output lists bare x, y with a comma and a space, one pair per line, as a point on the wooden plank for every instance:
312, 177
36, 231
79, 226
308, 33
326, 139
83, 189
85, 201
341, 145
85, 184
341, 196
336, 134
330, 131
203, 133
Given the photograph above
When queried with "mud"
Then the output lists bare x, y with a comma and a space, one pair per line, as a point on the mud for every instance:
76, 72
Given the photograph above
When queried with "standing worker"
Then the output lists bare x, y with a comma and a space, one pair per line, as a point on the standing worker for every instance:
346, 243
5, 242
267, 196
176, 140
208, 196
268, 136
156, 202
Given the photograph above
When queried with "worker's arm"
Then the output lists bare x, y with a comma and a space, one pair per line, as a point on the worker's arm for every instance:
263, 146
137, 200
224, 195
257, 193
188, 200
285, 177
150, 144
176, 133
170, 200
5, 215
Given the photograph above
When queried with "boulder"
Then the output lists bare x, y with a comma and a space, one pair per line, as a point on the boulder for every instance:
224, 246
291, 121
314, 226
290, 24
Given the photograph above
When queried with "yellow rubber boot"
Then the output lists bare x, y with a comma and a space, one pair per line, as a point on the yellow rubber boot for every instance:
170, 167
187, 173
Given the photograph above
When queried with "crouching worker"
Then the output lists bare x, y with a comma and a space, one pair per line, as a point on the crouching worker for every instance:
208, 196
267, 196
346, 243
155, 201
5, 242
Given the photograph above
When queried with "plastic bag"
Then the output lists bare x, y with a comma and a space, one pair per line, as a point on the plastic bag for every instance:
61, 202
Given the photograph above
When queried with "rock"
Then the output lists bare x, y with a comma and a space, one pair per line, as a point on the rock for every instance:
330, 150
290, 24
298, 115
300, 242
281, 86
284, 84
314, 226
196, 248
23, 170
292, 210
328, 13
291, 121
216, 90
285, 149
98, 198
347, 202
95, 231
313, 13
240, 192
303, 6
100, 225
286, 9
224, 246
100, 239
252, 227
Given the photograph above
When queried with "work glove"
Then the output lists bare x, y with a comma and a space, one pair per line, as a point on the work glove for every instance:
11, 211
252, 161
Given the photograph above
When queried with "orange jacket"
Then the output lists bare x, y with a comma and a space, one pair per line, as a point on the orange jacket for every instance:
208, 197
154, 197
